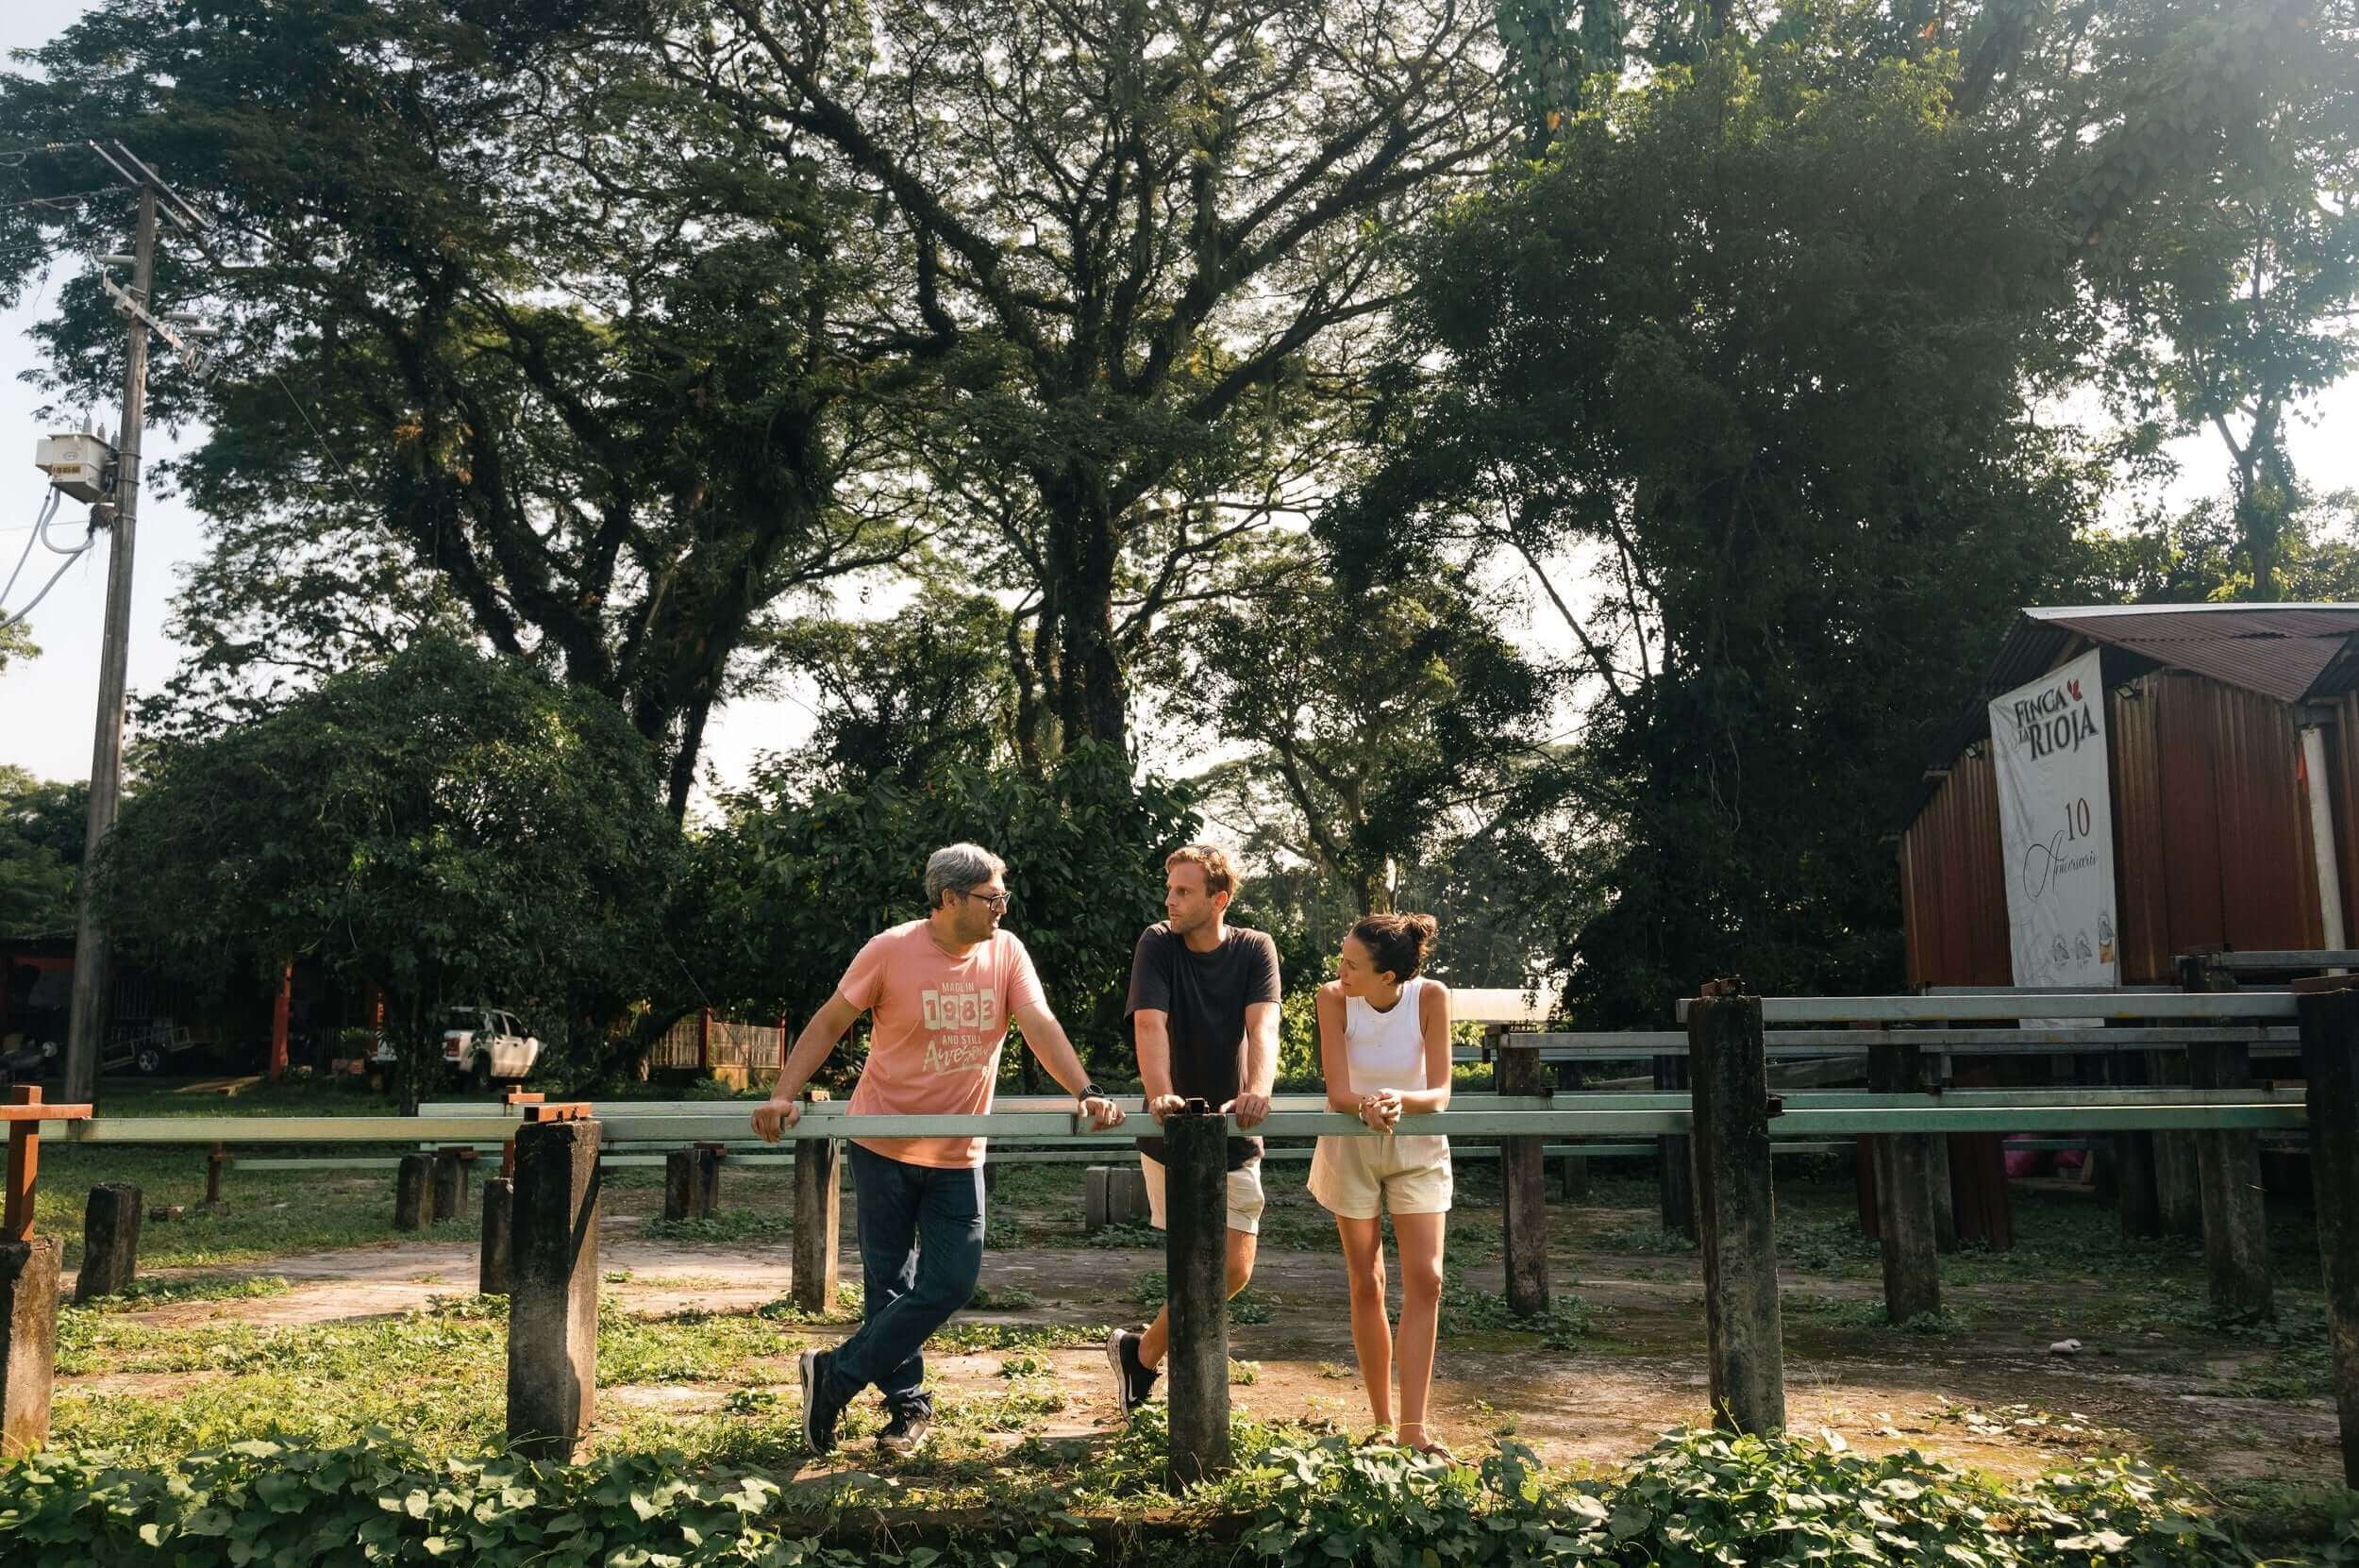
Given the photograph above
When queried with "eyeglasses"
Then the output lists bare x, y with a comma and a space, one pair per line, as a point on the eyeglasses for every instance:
998, 900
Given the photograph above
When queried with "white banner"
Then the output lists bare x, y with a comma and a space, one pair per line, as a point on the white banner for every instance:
2056, 827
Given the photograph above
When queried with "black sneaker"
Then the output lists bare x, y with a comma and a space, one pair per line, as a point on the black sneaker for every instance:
905, 1432
820, 1413
1134, 1378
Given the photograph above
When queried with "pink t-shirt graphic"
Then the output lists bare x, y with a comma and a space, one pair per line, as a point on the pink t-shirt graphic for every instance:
937, 1024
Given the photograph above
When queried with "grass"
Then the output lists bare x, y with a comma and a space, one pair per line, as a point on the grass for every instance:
142, 1294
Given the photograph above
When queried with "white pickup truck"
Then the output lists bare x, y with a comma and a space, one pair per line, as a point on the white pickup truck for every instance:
484, 1045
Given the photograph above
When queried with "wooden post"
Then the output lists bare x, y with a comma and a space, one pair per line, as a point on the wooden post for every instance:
110, 1242
280, 1007
553, 1289
1736, 1205
1674, 1160
2329, 1070
681, 1199
704, 1039
499, 1250
1905, 1196
2228, 1168
818, 1216
414, 1195
1524, 1180
1195, 1212
216, 1161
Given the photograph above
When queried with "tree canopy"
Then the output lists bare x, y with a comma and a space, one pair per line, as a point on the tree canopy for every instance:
449, 826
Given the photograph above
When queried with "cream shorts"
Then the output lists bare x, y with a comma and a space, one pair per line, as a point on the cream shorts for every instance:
1244, 1196
1411, 1176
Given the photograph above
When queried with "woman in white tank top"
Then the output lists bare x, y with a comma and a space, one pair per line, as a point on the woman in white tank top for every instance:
1384, 1045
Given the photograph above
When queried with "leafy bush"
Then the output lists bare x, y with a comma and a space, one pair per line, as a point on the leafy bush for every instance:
1695, 1500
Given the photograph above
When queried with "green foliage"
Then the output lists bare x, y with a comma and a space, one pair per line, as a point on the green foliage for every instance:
141, 1295
449, 826
1247, 1306
1374, 708
800, 877
1759, 335
42, 830
378, 1500
1703, 1497
730, 1224
454, 389
1562, 1326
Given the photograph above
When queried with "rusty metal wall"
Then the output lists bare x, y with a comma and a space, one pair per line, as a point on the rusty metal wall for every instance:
1953, 895
2211, 837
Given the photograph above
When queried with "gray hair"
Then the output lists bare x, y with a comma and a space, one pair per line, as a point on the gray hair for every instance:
957, 867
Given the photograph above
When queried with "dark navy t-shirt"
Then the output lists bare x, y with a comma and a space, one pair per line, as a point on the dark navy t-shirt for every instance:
1203, 995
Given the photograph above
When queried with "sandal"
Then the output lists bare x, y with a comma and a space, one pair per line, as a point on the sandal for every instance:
1431, 1448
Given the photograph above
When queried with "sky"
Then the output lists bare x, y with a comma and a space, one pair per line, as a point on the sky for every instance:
47, 705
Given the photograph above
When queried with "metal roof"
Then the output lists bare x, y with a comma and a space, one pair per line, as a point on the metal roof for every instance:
2288, 652
2277, 650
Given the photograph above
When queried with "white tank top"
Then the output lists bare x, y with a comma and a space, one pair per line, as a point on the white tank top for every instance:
1386, 1050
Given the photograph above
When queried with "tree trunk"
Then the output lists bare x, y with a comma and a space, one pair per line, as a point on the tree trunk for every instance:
1084, 554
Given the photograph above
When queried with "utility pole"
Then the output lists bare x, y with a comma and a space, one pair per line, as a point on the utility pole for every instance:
92, 968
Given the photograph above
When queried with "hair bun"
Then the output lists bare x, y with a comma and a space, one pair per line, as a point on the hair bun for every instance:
1396, 943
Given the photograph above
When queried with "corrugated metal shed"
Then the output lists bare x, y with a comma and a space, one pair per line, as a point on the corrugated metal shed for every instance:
2213, 840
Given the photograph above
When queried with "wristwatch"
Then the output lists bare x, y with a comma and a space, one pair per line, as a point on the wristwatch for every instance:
1091, 1091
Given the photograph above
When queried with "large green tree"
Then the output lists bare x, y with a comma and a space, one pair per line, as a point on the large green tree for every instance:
1150, 240
2222, 226
516, 341
1755, 350
448, 825
1388, 720
796, 878
42, 828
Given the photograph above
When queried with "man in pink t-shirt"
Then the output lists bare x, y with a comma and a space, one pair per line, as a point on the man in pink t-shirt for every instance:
940, 993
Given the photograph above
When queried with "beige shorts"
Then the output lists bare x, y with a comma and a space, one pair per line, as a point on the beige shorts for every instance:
1410, 1175
1244, 1196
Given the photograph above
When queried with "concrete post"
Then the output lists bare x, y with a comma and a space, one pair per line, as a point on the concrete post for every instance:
1735, 1207
2330, 1069
682, 1197
28, 1341
2135, 1191
1905, 1196
414, 1195
1195, 1209
1675, 1161
818, 1217
1572, 1170
499, 1202
553, 1289
450, 1183
111, 1240
1524, 1182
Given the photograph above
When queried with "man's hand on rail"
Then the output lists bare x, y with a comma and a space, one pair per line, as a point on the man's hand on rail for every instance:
1251, 1110
772, 1117
1102, 1112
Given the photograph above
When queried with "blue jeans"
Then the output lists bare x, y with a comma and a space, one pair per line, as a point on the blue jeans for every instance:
921, 1250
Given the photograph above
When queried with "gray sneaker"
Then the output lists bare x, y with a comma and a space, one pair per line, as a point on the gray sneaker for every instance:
906, 1432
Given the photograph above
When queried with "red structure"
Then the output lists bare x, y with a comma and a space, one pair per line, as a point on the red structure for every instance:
2221, 715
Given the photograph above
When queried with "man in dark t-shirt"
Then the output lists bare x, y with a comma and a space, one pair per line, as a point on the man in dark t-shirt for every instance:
1203, 1014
